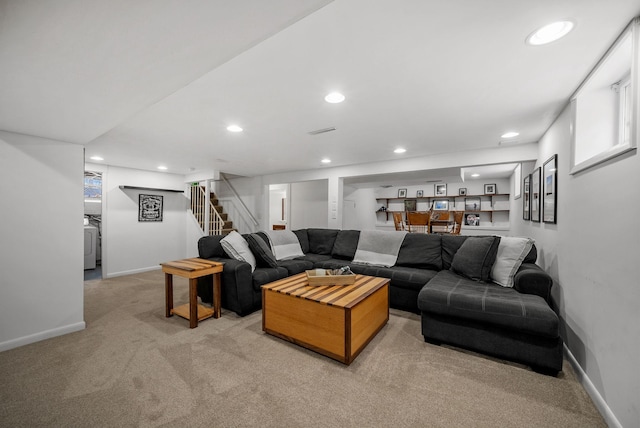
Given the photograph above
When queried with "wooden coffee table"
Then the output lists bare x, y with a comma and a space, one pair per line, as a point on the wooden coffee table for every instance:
337, 321
193, 269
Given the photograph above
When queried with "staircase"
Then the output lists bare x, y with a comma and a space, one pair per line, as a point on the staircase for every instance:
219, 224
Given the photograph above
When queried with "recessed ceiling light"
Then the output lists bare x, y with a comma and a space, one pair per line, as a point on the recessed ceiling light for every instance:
399, 150
334, 98
510, 134
162, 167
326, 160
550, 33
234, 128
98, 158
476, 175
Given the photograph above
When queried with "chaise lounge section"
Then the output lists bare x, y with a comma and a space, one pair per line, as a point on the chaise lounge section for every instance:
439, 277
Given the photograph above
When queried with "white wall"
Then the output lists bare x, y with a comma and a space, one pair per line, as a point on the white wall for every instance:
592, 254
255, 197
309, 204
41, 239
129, 246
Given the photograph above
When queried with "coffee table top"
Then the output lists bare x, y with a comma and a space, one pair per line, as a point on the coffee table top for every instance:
345, 296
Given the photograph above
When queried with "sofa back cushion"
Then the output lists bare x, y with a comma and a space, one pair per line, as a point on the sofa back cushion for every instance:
345, 244
450, 245
303, 238
209, 246
420, 250
532, 256
475, 257
261, 250
321, 240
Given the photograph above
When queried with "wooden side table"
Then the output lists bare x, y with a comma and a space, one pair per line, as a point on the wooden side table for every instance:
193, 269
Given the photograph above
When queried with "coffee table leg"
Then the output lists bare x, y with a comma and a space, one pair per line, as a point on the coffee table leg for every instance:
168, 291
217, 298
193, 302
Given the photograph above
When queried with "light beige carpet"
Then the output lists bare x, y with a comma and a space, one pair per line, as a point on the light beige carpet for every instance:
134, 367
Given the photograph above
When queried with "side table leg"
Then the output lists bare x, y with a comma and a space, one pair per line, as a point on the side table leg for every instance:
168, 292
193, 302
217, 298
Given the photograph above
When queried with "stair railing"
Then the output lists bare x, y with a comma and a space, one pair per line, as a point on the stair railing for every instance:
198, 204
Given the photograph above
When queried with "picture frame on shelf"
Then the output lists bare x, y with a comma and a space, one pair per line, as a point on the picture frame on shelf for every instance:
490, 189
526, 201
534, 193
550, 189
462, 191
441, 205
410, 204
440, 189
402, 193
472, 219
472, 204
419, 193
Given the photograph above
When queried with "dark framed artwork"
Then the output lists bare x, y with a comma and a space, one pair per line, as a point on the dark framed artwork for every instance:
462, 191
550, 189
534, 193
149, 208
410, 204
489, 189
526, 201
472, 204
472, 219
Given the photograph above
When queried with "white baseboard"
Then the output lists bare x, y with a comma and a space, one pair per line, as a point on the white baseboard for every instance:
600, 403
37, 337
131, 272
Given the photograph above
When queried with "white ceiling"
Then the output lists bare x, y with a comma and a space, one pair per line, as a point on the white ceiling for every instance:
148, 83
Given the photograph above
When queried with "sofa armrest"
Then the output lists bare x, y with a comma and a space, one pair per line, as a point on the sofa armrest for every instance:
531, 279
236, 287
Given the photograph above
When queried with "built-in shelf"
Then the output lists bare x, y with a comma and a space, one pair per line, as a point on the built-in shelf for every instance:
152, 189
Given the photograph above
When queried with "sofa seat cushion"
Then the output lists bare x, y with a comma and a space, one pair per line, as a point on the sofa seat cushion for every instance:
401, 277
295, 266
262, 276
452, 295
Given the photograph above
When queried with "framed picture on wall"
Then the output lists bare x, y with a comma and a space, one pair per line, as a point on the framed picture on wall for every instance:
472, 204
549, 189
534, 193
441, 205
402, 193
526, 202
440, 189
489, 189
410, 204
149, 207
419, 193
462, 191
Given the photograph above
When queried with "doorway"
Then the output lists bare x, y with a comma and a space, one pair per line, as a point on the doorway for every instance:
278, 206
92, 225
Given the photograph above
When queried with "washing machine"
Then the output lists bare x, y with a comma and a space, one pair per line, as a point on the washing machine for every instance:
90, 246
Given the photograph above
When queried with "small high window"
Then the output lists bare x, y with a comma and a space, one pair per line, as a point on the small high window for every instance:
604, 108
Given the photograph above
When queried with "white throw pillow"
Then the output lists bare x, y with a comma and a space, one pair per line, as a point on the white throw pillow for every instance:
237, 248
511, 253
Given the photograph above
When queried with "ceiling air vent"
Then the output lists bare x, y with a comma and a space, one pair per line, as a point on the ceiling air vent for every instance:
322, 131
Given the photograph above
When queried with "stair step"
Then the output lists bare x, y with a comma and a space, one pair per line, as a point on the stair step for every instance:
227, 225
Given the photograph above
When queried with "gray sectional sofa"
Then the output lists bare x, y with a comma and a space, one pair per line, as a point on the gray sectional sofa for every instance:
431, 277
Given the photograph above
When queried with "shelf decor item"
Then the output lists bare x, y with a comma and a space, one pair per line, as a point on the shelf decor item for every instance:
472, 219
472, 204
549, 189
410, 204
440, 189
402, 193
419, 193
489, 189
441, 205
526, 201
535, 195
462, 191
